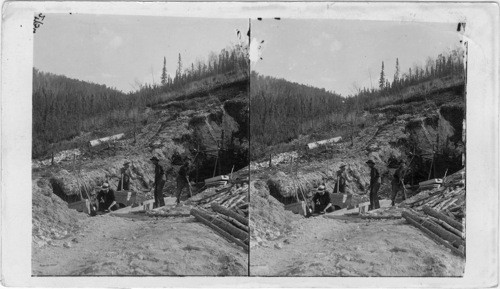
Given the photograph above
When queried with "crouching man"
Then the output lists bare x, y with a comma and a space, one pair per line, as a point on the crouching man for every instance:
106, 199
321, 201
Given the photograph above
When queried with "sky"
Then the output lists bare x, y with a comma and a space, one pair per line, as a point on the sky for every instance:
123, 51
339, 55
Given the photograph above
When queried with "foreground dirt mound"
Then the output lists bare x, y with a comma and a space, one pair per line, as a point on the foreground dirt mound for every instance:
52, 219
108, 245
326, 247
268, 218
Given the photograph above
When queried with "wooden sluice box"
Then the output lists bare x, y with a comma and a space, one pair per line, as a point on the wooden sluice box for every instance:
297, 208
125, 198
81, 206
122, 198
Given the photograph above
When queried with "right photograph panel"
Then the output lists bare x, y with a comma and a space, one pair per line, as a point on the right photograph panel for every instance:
357, 148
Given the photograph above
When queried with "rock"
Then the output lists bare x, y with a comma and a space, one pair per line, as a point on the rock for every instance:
139, 271
278, 245
67, 245
140, 256
286, 241
347, 258
74, 240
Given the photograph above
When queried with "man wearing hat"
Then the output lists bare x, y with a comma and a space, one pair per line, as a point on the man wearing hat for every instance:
160, 180
106, 199
342, 177
321, 201
374, 185
125, 175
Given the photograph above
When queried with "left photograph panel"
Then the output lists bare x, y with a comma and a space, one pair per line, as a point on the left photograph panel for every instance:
140, 146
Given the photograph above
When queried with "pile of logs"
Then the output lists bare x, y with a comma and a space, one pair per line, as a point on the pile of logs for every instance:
441, 228
234, 197
440, 212
226, 212
448, 199
229, 224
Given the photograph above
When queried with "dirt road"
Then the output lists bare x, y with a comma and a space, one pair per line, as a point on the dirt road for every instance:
109, 245
321, 246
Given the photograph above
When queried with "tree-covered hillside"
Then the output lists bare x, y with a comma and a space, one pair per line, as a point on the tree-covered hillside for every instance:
64, 108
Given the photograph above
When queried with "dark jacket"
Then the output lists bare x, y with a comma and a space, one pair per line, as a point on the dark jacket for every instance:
341, 183
321, 201
105, 199
159, 173
399, 174
124, 183
374, 176
183, 172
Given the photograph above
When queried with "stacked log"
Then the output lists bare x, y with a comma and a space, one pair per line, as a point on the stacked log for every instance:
440, 212
440, 228
449, 199
226, 212
454, 242
231, 197
225, 223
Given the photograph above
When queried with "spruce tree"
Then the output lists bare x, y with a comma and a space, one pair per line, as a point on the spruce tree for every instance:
396, 74
164, 72
178, 73
382, 77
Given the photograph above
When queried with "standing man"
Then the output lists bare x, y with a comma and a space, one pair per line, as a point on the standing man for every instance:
321, 201
397, 183
183, 180
374, 185
106, 199
159, 183
125, 174
342, 179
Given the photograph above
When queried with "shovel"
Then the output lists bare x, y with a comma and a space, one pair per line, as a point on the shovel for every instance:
404, 189
190, 188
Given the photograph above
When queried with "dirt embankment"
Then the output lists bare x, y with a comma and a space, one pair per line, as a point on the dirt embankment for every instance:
268, 218
425, 133
192, 128
52, 219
